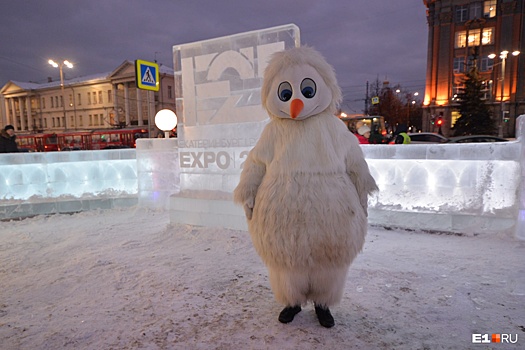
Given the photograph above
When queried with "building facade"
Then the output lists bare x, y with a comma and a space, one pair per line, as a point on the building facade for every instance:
105, 100
488, 34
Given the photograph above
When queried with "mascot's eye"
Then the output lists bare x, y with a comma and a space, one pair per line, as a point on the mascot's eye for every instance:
285, 91
308, 88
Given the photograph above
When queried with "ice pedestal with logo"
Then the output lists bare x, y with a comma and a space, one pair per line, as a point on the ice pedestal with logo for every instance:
218, 92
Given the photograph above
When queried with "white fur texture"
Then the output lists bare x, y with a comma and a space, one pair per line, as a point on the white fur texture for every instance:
305, 187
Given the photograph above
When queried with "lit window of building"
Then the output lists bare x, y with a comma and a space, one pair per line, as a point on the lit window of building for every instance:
489, 8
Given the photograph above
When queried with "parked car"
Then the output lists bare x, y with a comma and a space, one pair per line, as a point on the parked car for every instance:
427, 137
476, 138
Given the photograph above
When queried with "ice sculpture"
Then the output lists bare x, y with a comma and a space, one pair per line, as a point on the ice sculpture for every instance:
218, 93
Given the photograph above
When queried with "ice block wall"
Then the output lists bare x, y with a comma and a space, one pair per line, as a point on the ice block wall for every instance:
467, 188
158, 171
54, 182
520, 221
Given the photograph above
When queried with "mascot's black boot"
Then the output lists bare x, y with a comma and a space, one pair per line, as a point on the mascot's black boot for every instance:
288, 313
324, 316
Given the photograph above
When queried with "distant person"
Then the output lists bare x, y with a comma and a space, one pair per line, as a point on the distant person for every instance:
8, 140
375, 136
363, 134
402, 136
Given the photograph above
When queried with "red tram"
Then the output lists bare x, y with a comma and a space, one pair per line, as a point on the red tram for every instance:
81, 140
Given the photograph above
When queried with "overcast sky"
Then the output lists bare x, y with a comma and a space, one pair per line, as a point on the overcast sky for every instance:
364, 40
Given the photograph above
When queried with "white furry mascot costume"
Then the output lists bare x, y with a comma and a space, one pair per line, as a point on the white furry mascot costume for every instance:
305, 186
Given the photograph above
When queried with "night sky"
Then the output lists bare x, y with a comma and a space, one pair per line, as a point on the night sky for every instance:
364, 40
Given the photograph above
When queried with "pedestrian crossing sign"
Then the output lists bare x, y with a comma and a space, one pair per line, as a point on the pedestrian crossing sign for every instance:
147, 75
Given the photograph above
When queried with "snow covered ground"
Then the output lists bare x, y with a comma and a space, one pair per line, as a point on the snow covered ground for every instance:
128, 279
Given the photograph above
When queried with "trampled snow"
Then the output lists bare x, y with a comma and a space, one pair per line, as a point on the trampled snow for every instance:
128, 279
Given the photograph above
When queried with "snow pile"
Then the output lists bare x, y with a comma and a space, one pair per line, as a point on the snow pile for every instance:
128, 279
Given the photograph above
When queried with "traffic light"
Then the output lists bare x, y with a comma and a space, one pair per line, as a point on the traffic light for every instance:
439, 121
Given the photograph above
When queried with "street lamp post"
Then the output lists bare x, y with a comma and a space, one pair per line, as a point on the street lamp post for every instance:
503, 56
409, 101
60, 66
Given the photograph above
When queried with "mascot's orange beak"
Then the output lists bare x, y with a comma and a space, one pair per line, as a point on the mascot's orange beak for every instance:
296, 107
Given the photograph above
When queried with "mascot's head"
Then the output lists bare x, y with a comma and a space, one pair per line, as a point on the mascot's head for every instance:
298, 83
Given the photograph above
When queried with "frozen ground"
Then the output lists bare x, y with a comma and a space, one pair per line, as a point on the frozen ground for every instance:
127, 279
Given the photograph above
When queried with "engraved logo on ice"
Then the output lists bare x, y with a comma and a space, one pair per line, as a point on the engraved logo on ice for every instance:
224, 87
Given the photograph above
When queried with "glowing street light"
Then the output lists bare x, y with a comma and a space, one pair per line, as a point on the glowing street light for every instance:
503, 56
409, 101
60, 66
166, 120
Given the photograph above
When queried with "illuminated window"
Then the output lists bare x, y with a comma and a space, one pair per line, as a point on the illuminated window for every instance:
487, 38
454, 116
475, 37
461, 39
489, 8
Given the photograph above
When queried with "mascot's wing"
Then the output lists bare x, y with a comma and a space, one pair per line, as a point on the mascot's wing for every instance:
357, 169
253, 171
251, 177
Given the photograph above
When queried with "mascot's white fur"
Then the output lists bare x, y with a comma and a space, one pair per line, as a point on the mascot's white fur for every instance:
305, 186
